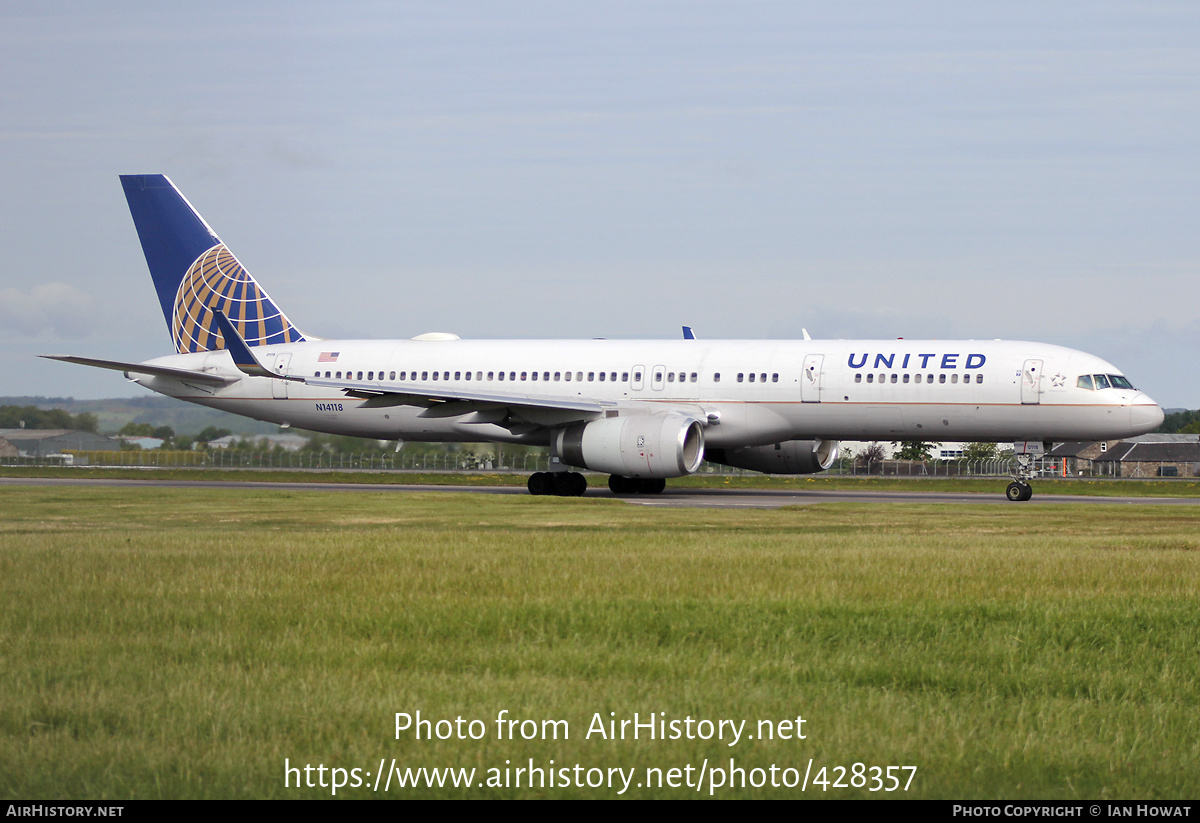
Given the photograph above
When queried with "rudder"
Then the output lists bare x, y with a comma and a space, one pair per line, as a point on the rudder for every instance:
194, 272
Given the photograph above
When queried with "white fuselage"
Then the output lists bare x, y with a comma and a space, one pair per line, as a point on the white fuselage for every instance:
749, 392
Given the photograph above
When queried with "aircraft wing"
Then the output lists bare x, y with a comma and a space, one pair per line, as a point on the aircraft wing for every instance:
379, 394
143, 368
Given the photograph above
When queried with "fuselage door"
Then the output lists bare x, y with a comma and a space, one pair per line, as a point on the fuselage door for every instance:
1031, 382
658, 378
279, 388
637, 378
810, 382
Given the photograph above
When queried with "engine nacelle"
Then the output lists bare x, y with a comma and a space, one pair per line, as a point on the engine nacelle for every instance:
788, 457
646, 445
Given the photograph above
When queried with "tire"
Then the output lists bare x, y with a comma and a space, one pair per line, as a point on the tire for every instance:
1018, 491
620, 485
652, 485
540, 483
578, 484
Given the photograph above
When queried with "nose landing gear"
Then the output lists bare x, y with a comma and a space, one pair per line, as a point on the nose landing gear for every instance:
1019, 490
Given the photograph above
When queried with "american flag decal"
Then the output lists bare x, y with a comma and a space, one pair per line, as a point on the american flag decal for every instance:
328, 357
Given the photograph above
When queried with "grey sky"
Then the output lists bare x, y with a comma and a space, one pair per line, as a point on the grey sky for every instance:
939, 169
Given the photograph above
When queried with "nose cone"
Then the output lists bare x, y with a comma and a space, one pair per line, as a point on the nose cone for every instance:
1144, 414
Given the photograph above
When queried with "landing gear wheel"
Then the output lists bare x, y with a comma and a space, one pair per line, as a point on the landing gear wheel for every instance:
569, 484
540, 483
621, 485
652, 485
1018, 492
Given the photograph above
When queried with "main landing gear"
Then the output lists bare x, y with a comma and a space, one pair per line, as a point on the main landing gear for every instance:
562, 484
636, 485
1019, 490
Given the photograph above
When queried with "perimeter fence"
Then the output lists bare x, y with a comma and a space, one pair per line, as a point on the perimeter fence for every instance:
467, 462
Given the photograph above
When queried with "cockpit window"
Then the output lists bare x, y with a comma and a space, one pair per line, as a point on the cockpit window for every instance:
1104, 381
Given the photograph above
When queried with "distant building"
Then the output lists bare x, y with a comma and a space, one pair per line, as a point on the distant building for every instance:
43, 442
288, 442
1147, 455
7, 449
143, 443
1152, 455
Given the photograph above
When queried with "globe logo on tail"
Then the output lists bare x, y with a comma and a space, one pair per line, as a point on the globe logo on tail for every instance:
216, 280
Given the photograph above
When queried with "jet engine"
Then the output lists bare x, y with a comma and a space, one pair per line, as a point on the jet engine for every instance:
788, 457
648, 445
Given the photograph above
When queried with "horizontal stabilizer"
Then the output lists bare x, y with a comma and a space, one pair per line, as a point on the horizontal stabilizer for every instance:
143, 368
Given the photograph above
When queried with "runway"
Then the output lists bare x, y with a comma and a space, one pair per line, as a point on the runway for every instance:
685, 498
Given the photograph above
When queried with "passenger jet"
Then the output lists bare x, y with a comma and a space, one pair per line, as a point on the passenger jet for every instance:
641, 411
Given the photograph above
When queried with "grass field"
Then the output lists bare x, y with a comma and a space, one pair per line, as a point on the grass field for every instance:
183, 643
822, 482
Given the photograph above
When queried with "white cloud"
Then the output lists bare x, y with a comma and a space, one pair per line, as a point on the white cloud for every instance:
51, 309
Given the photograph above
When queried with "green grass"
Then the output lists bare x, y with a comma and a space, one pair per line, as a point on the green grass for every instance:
184, 642
950, 485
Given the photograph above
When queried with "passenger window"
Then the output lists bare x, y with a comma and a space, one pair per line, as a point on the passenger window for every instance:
491, 375
671, 377
467, 375
512, 375
446, 375
762, 378
871, 378
602, 375
326, 374
893, 378
578, 375
906, 378
478, 375
917, 379
741, 376
979, 378
858, 378
716, 377
391, 375
941, 378
695, 376
533, 376
591, 377
929, 378
435, 375
774, 378
568, 376
370, 375
557, 376
360, 375
954, 378
500, 375
624, 376
751, 377
458, 375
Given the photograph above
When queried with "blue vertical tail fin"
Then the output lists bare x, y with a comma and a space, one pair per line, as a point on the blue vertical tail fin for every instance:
194, 272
